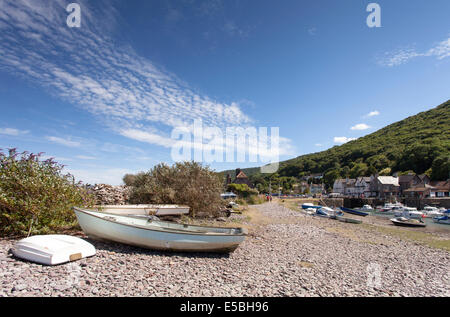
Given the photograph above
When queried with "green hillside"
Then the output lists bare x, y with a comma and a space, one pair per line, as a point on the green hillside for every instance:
419, 143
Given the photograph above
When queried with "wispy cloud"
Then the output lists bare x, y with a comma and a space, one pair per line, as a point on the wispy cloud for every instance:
312, 31
85, 157
360, 126
342, 139
372, 114
401, 56
85, 67
318, 144
13, 132
62, 141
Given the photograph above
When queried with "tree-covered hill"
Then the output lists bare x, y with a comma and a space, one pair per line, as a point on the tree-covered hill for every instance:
419, 143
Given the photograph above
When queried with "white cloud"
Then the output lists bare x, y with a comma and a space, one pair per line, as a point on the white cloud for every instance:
401, 56
12, 132
65, 142
125, 91
372, 114
360, 126
318, 144
84, 157
342, 139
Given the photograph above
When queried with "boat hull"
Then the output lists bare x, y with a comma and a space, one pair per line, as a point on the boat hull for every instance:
354, 212
407, 224
156, 238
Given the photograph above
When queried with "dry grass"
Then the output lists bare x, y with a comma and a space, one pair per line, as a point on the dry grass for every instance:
424, 238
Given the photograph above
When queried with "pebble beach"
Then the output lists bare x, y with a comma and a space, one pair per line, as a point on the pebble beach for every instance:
286, 253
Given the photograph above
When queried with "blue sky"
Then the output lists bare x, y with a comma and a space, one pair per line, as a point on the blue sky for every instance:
104, 98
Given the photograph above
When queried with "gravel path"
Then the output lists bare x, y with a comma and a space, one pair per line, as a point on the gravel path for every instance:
286, 254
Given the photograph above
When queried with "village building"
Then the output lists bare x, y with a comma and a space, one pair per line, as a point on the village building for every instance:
409, 181
362, 186
385, 187
241, 178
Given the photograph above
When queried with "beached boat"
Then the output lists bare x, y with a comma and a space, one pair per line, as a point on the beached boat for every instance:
354, 212
324, 212
405, 222
310, 205
445, 219
144, 232
52, 249
348, 220
409, 212
145, 210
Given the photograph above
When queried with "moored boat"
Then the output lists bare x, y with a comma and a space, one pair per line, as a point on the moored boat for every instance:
366, 208
445, 219
144, 232
354, 212
432, 212
409, 212
405, 222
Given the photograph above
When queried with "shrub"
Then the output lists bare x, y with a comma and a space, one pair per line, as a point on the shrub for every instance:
35, 197
187, 183
242, 190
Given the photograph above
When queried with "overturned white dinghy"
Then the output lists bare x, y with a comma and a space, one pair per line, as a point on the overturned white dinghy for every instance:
52, 249
144, 210
145, 232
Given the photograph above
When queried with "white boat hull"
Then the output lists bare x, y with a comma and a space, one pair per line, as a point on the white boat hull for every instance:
157, 234
52, 249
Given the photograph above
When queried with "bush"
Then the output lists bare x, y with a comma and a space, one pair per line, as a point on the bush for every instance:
242, 190
187, 183
35, 197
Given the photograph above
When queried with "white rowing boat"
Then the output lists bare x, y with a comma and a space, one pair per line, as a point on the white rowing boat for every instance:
52, 249
144, 232
145, 210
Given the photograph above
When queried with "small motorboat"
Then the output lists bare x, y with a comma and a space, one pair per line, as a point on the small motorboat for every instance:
144, 231
52, 249
146, 210
354, 212
409, 212
432, 212
444, 219
324, 212
310, 205
389, 207
407, 222
366, 208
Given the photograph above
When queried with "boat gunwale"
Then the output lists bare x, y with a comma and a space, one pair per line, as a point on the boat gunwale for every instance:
169, 230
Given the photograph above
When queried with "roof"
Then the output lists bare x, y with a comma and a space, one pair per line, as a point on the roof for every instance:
241, 175
388, 180
405, 178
